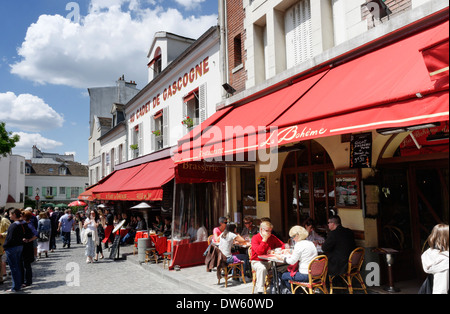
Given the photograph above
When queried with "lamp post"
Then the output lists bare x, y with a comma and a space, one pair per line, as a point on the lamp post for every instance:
37, 198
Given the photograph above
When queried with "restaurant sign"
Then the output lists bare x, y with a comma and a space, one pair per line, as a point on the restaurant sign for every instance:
199, 172
146, 195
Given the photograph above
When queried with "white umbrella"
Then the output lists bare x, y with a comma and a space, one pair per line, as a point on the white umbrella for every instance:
141, 205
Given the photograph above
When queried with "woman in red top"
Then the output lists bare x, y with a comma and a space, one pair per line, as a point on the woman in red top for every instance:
262, 244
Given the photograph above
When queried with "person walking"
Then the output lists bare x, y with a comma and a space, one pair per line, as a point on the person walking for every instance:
4, 225
66, 223
435, 260
90, 236
53, 216
28, 255
13, 246
44, 230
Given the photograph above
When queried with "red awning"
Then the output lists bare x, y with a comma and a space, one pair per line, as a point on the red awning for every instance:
140, 183
390, 87
88, 194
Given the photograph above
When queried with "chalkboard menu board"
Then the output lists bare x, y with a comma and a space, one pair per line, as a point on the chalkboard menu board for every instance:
262, 189
361, 150
115, 248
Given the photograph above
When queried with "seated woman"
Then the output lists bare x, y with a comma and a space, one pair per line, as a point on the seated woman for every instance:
304, 252
218, 230
227, 239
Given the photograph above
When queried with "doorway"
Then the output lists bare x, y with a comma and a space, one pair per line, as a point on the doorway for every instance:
413, 199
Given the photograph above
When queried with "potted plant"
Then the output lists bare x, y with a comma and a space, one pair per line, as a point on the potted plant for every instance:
134, 146
188, 122
157, 132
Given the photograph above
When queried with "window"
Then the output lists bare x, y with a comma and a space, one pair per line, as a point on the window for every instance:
193, 107
136, 141
237, 51
156, 62
29, 191
62, 190
157, 131
62, 171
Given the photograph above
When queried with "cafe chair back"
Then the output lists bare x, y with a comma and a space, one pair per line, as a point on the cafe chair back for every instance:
210, 239
317, 277
268, 278
355, 262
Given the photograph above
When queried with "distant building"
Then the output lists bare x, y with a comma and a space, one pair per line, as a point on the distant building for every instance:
12, 181
106, 119
59, 178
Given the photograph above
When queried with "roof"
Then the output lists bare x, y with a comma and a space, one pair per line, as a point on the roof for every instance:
51, 168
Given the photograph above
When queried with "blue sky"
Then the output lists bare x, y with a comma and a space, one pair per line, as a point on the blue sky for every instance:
51, 51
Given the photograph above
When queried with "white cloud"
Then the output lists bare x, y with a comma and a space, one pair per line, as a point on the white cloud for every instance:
113, 39
190, 4
27, 140
28, 113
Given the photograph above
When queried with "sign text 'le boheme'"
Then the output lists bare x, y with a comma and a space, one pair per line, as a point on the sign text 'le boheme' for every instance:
177, 86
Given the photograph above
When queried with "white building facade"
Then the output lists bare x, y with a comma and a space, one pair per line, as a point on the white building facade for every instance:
12, 181
182, 93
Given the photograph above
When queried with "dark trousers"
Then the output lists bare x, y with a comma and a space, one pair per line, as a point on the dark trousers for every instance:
66, 238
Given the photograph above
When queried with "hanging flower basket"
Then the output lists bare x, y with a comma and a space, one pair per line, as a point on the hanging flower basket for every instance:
188, 122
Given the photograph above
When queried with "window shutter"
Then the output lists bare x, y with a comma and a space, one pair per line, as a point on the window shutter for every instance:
68, 193
166, 127
141, 139
44, 191
202, 103
54, 190
298, 28
152, 136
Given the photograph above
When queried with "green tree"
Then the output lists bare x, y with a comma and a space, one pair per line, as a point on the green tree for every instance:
7, 140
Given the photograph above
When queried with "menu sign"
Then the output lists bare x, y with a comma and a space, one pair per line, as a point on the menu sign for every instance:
262, 189
361, 150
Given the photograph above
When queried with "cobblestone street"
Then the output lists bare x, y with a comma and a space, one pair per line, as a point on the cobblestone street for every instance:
65, 272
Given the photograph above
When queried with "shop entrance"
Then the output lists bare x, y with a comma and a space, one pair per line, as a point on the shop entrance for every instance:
414, 198
307, 187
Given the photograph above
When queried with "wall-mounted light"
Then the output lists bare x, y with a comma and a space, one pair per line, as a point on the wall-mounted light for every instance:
292, 148
229, 89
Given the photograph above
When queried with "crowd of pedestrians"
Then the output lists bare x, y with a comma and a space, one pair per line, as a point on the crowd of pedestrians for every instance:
28, 235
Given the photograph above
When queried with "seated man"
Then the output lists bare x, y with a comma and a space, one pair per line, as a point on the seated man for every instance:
262, 243
338, 246
249, 229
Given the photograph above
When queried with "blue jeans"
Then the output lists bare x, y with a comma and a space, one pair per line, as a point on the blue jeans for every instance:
14, 258
285, 277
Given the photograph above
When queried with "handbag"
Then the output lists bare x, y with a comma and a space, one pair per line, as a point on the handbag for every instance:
44, 236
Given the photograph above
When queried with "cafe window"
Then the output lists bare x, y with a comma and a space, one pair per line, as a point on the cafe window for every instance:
307, 187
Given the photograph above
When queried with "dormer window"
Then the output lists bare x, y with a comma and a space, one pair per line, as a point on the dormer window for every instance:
62, 171
156, 63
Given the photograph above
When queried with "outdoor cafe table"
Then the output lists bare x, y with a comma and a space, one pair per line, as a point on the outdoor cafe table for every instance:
274, 261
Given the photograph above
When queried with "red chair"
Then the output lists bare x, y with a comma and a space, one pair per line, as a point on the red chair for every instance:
317, 273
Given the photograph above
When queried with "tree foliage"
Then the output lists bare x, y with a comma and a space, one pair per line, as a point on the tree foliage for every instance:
7, 140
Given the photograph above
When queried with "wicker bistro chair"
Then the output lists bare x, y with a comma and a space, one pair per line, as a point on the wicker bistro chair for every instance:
317, 273
210, 239
355, 262
268, 278
151, 255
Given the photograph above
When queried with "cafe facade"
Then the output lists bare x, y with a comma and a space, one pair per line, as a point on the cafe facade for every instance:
359, 129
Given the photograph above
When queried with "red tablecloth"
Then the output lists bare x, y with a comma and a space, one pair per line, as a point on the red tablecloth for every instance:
140, 235
108, 230
123, 232
187, 255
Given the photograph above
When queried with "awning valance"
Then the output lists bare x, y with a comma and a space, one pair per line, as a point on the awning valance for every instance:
140, 183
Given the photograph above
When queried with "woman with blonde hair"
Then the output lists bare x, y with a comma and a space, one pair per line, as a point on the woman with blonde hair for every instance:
435, 259
304, 252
